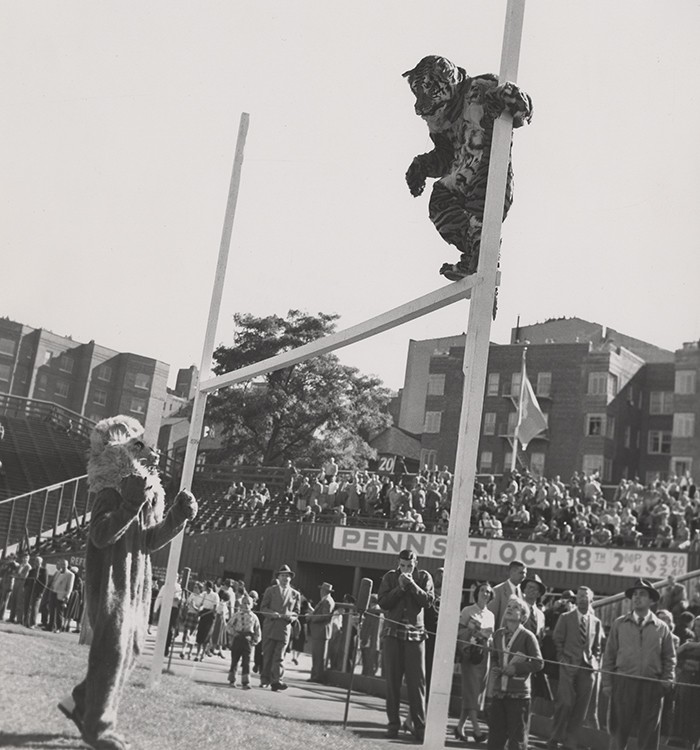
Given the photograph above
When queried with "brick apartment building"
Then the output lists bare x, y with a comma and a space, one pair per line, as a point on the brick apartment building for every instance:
89, 379
613, 403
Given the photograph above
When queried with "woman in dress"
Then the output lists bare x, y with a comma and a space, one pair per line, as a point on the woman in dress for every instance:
476, 627
189, 625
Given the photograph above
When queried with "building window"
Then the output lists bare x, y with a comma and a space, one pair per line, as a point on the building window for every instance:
685, 382
5, 372
104, 373
682, 466
7, 346
65, 364
100, 397
595, 425
42, 381
436, 385
433, 420
597, 383
659, 442
490, 423
610, 428
142, 380
507, 460
683, 425
612, 385
607, 469
428, 459
537, 463
661, 402
544, 384
62, 388
628, 437
515, 380
592, 464
138, 406
486, 462
493, 384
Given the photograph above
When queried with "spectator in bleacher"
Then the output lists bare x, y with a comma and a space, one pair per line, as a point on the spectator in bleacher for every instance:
674, 597
303, 495
330, 470
664, 534
340, 515
330, 491
601, 536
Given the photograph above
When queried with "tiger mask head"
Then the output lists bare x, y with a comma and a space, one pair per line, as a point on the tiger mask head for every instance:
433, 82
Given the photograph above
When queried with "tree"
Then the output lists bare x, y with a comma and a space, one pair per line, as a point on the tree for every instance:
303, 413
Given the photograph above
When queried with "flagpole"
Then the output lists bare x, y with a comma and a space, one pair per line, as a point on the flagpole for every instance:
514, 458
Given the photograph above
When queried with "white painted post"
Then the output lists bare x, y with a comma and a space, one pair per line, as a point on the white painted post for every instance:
476, 354
200, 399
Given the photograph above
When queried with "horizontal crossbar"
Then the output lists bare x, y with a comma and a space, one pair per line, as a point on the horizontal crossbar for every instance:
416, 308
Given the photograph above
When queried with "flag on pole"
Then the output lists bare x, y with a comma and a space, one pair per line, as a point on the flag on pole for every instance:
531, 421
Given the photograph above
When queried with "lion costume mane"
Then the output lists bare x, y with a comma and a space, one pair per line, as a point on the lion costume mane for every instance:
126, 525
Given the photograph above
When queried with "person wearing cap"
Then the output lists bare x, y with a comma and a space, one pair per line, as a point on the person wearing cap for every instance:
517, 571
320, 631
533, 590
578, 637
404, 593
280, 605
639, 667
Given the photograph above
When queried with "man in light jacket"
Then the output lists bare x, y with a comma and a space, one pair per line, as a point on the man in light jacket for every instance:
639, 646
61, 589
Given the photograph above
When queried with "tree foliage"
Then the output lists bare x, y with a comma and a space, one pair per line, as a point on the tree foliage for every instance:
303, 413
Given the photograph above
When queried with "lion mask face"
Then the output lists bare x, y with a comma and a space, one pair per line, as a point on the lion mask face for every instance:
118, 450
433, 82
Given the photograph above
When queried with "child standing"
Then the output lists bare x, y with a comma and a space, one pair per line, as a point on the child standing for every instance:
244, 628
221, 617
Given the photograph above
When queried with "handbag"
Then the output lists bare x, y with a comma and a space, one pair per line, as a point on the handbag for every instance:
475, 654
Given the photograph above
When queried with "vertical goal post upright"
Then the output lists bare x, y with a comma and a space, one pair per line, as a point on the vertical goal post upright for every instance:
476, 352
200, 398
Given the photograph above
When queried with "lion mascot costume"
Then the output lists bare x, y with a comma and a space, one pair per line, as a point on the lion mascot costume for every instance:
126, 525
460, 112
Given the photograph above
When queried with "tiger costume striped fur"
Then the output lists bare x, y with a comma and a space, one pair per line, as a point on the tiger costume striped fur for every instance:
460, 112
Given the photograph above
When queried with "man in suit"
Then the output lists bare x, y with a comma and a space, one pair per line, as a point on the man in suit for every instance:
532, 591
280, 605
510, 587
320, 631
578, 637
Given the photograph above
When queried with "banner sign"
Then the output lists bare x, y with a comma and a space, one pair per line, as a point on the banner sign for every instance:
634, 563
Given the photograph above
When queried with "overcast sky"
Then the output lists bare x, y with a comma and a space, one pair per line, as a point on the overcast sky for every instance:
119, 124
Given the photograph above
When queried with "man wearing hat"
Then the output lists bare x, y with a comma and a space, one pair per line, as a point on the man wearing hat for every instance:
403, 595
639, 646
320, 632
578, 637
533, 590
280, 606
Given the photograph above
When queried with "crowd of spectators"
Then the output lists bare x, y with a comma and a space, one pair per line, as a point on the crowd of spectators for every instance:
664, 514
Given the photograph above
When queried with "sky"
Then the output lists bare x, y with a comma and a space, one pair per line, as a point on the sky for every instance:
119, 125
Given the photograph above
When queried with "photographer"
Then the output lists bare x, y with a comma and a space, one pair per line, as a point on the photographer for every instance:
403, 595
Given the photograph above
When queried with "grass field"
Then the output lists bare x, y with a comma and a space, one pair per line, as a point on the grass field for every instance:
38, 668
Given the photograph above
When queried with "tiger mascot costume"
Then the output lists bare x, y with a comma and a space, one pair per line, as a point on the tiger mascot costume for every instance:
460, 112
126, 525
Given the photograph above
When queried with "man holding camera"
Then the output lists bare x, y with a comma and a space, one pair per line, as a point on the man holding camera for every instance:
404, 594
